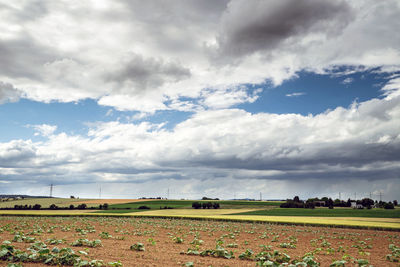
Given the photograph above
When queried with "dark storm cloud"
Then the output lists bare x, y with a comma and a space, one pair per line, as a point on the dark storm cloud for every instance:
345, 156
146, 73
251, 26
23, 57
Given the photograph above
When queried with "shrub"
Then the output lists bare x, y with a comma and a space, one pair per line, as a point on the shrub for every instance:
388, 206
82, 206
196, 205
144, 208
292, 204
310, 205
36, 207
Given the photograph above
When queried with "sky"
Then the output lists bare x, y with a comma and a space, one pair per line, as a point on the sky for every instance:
185, 99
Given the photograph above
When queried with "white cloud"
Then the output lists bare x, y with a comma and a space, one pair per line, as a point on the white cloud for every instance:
8, 93
44, 129
391, 89
295, 94
361, 142
205, 57
94, 50
348, 80
220, 98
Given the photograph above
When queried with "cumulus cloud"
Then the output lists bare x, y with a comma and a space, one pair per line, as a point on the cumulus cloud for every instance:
218, 98
152, 62
44, 129
205, 57
391, 89
360, 142
135, 74
264, 25
8, 93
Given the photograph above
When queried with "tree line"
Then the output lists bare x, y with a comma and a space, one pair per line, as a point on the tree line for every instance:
311, 203
205, 205
55, 207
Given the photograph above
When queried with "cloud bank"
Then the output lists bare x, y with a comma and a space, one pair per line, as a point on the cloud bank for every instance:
361, 142
140, 53
204, 57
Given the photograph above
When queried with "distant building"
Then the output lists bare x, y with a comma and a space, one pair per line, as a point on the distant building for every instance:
354, 205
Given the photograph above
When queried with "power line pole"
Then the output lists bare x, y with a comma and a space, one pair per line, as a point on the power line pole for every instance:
260, 196
340, 197
370, 195
380, 196
168, 193
100, 192
355, 196
51, 190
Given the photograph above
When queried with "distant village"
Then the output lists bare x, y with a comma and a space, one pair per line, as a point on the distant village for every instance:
311, 203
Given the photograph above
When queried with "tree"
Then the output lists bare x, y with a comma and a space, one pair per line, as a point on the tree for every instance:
82, 206
53, 207
196, 205
348, 203
36, 207
71, 207
329, 203
296, 199
367, 202
395, 203
310, 205
105, 206
216, 205
388, 206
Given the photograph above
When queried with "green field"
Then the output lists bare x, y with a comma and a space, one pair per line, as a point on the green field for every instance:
182, 204
256, 211
325, 212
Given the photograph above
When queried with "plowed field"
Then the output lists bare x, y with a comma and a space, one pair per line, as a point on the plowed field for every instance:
167, 241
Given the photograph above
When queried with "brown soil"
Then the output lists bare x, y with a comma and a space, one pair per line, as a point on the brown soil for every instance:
157, 237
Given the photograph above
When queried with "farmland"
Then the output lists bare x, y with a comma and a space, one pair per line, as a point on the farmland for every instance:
45, 202
131, 241
249, 211
324, 212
